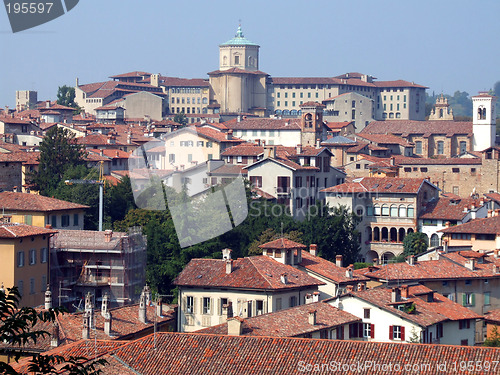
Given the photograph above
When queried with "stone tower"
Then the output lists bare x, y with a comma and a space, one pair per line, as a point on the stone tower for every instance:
238, 85
483, 121
441, 110
311, 125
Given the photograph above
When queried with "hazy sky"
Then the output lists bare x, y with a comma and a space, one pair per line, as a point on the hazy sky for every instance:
445, 45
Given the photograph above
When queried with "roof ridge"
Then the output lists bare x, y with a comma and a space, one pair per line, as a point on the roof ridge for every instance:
258, 270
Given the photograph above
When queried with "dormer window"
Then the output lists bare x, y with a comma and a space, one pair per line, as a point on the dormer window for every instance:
236, 60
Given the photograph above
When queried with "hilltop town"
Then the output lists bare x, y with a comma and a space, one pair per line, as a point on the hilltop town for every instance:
263, 224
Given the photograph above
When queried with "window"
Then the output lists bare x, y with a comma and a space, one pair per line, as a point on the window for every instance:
358, 166
236, 60
463, 147
368, 330
473, 171
278, 304
464, 324
397, 333
75, 220
256, 181
20, 286
20, 259
440, 147
418, 147
394, 210
32, 286
189, 305
468, 299
385, 210
44, 283
293, 301
455, 170
209, 144
410, 212
434, 240
259, 306
32, 257
366, 313
54, 221
65, 220
28, 219
423, 169
206, 305
376, 210
487, 296
200, 143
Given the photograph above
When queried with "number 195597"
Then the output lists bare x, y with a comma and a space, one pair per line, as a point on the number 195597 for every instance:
28, 7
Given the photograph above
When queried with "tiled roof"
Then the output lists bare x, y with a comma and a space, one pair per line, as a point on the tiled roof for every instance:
97, 139
488, 225
228, 169
14, 120
282, 243
237, 71
202, 354
386, 139
400, 127
15, 230
448, 209
427, 313
216, 135
337, 125
493, 316
339, 140
328, 269
312, 104
493, 196
304, 80
113, 154
402, 160
131, 74
33, 202
398, 83
244, 149
379, 185
290, 322
184, 82
484, 265
256, 272
86, 239
264, 123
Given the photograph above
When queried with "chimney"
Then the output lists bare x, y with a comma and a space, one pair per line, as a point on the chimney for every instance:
338, 260
348, 272
108, 235
89, 309
470, 264
147, 294
104, 305
142, 308
496, 252
445, 246
312, 317
107, 324
497, 212
48, 298
318, 143
299, 149
269, 152
47, 104
404, 291
375, 261
86, 326
159, 308
411, 260
229, 266
481, 202
54, 335
101, 152
447, 224
313, 249
315, 296
395, 295
230, 134
226, 253
234, 326
361, 287
490, 213
48, 226
238, 119
495, 269
284, 278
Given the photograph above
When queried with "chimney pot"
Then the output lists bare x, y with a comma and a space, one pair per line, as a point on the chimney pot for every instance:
361, 287
404, 291
107, 324
338, 260
226, 253
48, 298
313, 249
470, 264
312, 317
411, 260
108, 235
284, 278
496, 253
315, 296
229, 266
234, 326
348, 272
395, 295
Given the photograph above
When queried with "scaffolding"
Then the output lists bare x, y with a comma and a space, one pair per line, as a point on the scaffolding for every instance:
99, 263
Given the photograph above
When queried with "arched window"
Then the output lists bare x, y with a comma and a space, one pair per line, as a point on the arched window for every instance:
441, 113
205, 101
402, 211
434, 240
376, 234
369, 233
204, 111
481, 113
250, 60
391, 115
401, 234
398, 115
293, 112
385, 234
394, 210
236, 60
376, 210
393, 235
277, 112
308, 120
410, 212
286, 112
385, 210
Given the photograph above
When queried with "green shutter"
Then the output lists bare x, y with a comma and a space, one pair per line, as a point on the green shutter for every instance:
464, 299
473, 299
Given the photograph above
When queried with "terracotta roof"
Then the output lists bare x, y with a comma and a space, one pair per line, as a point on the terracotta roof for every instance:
290, 322
131, 74
488, 225
264, 123
14, 120
398, 83
237, 71
96, 139
448, 209
312, 104
87, 239
262, 194
493, 196
379, 185
113, 154
256, 272
337, 125
328, 269
386, 139
400, 127
243, 149
184, 82
228, 169
282, 243
401, 160
15, 230
304, 80
427, 313
32, 202
203, 354
493, 316
216, 135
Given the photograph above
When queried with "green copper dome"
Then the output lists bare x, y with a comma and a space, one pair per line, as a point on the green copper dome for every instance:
239, 40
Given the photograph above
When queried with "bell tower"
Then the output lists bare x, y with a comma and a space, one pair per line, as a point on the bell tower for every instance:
311, 124
483, 121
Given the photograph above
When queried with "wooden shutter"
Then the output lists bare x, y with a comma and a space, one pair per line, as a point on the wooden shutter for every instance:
468, 323
351, 330
402, 333
360, 330
372, 330
212, 309
464, 299
219, 306
473, 300
184, 304
264, 307
391, 332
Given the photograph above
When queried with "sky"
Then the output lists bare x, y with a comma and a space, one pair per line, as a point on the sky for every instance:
445, 45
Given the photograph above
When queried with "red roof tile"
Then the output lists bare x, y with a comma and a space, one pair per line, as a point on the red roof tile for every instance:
328, 269
32, 202
282, 243
257, 272
379, 185
400, 127
15, 230
448, 209
290, 322
488, 225
264, 123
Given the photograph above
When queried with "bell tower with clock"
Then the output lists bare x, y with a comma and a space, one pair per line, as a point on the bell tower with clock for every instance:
311, 125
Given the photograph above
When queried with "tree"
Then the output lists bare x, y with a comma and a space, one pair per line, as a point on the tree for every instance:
16, 329
58, 152
180, 118
415, 243
270, 235
66, 97
493, 338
